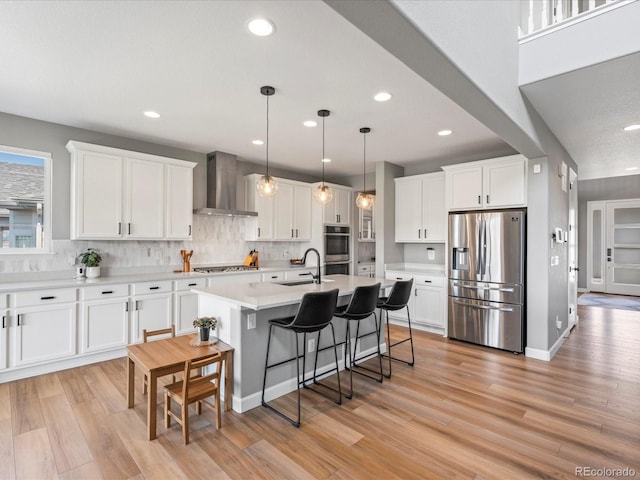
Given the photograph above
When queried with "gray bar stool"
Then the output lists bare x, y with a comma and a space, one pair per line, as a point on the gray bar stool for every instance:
362, 306
397, 300
314, 314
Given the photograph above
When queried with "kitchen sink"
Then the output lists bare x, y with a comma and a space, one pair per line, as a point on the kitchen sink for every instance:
297, 282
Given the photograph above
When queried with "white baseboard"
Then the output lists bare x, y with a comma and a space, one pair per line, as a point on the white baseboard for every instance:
583, 290
547, 355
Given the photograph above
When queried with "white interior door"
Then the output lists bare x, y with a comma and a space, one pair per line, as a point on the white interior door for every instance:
623, 247
596, 226
573, 248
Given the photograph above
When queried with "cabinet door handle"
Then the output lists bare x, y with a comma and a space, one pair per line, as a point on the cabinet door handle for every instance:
126, 306
47, 298
398, 278
292, 233
274, 276
189, 230
427, 281
296, 233
338, 218
154, 288
487, 198
119, 228
416, 292
192, 284
4, 318
137, 304
19, 318
419, 233
107, 292
129, 228
425, 233
258, 232
479, 199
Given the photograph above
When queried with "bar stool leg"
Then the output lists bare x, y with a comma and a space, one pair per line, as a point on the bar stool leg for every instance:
386, 312
379, 373
266, 366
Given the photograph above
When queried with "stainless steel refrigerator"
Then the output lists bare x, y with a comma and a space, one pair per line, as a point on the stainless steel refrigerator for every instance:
486, 278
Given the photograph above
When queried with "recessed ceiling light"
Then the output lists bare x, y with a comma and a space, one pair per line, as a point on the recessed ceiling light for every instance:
382, 96
326, 160
444, 133
261, 27
257, 142
629, 128
631, 169
310, 123
151, 114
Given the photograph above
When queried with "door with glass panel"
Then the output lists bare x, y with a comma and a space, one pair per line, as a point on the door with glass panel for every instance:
623, 247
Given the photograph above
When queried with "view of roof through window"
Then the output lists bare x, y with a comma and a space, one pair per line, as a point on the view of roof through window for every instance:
22, 192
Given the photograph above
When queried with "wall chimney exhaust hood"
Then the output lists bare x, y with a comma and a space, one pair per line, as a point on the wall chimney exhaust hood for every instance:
222, 171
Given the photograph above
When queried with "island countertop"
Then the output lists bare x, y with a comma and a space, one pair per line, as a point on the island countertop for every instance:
262, 295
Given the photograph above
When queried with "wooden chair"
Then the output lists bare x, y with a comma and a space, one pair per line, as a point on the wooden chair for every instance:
152, 333
194, 389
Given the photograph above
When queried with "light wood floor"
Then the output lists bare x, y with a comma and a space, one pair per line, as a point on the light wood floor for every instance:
462, 412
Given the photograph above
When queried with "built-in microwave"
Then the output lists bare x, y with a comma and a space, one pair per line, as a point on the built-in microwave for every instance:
336, 243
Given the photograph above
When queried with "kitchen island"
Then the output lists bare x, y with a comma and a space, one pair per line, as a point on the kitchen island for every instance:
243, 312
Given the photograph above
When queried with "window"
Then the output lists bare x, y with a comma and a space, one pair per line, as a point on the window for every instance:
25, 201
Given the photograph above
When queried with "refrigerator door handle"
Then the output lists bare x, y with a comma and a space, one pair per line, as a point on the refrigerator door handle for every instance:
472, 287
483, 307
477, 241
487, 249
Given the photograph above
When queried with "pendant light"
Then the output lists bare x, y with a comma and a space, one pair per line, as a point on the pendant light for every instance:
323, 194
266, 185
364, 200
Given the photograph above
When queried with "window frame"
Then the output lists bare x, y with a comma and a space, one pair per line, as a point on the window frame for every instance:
46, 220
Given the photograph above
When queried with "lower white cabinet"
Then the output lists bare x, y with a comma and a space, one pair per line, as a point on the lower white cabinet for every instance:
151, 307
42, 334
104, 319
4, 312
185, 304
427, 301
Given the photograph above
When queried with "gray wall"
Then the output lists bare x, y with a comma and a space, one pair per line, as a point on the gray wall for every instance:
614, 188
387, 250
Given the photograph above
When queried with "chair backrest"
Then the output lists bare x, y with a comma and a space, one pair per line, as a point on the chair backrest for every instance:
213, 378
400, 293
363, 301
152, 333
316, 311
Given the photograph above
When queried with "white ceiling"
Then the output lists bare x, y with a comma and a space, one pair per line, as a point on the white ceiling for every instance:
587, 110
99, 64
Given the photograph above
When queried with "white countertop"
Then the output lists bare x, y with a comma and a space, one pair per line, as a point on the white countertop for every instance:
259, 295
417, 268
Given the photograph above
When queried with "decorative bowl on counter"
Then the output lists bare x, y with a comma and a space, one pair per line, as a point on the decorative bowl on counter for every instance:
296, 261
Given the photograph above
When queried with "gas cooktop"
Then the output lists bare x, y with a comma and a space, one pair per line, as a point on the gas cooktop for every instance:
224, 268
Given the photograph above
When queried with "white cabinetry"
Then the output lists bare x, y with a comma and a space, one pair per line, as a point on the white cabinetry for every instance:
261, 227
300, 274
366, 270
427, 301
104, 321
151, 307
118, 194
420, 209
495, 183
4, 338
292, 212
45, 326
337, 211
185, 303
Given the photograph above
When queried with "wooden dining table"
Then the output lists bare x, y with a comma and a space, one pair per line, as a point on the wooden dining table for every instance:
163, 357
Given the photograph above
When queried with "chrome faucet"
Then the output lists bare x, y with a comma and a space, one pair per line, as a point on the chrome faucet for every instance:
316, 278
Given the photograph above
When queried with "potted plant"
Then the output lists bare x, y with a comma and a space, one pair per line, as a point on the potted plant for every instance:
91, 259
205, 324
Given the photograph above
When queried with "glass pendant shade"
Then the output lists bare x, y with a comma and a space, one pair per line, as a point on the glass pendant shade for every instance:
266, 186
364, 201
323, 194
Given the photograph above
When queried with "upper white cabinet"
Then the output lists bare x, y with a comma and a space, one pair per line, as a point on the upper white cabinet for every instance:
285, 216
495, 183
337, 211
420, 208
119, 194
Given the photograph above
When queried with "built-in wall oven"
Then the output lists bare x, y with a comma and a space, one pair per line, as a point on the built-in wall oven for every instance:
337, 256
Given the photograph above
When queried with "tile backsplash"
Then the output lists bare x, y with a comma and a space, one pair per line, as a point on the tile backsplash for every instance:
216, 240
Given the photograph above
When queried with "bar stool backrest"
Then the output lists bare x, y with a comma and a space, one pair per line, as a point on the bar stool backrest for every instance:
315, 312
363, 302
399, 296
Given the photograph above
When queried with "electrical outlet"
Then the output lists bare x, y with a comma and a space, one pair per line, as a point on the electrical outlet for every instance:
251, 321
311, 345
558, 323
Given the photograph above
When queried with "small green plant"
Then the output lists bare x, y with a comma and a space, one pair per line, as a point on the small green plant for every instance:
205, 322
90, 258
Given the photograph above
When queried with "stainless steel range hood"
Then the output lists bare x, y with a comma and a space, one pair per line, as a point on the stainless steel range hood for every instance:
222, 171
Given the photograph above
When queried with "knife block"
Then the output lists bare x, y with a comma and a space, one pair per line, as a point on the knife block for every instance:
186, 265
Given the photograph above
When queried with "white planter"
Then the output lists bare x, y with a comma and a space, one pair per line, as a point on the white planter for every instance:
93, 272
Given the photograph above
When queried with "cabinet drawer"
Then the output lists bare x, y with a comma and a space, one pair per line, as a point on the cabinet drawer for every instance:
391, 275
189, 283
143, 288
299, 274
366, 268
105, 291
3, 300
427, 281
44, 297
272, 276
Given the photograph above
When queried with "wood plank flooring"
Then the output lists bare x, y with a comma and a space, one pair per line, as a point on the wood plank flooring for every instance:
462, 412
